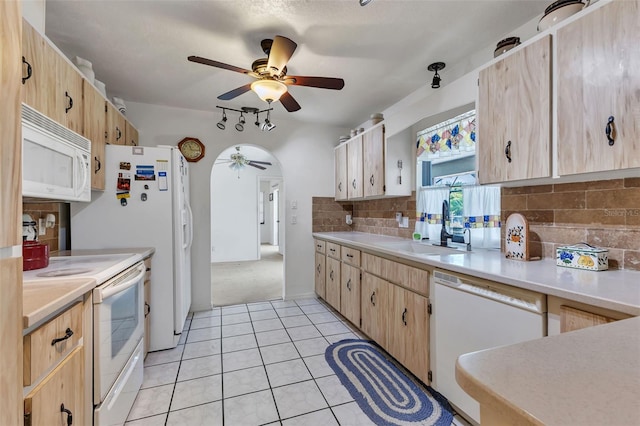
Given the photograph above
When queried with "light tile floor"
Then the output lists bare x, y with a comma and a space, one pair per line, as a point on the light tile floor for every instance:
248, 365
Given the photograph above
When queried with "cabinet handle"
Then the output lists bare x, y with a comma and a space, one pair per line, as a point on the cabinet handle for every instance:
371, 298
610, 131
353, 184
98, 164
319, 246
147, 308
69, 104
349, 284
118, 133
507, 151
331, 275
68, 333
69, 414
371, 180
349, 255
404, 316
332, 250
29, 70
340, 186
318, 268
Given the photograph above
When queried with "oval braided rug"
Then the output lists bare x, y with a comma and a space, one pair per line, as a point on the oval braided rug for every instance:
381, 390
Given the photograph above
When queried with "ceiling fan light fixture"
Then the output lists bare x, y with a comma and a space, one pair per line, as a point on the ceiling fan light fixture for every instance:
269, 90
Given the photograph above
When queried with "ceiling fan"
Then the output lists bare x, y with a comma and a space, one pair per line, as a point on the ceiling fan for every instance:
271, 74
237, 161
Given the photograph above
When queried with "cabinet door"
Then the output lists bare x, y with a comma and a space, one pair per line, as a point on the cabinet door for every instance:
69, 94
332, 283
354, 168
374, 308
64, 385
408, 337
131, 134
350, 293
341, 172
115, 126
373, 161
320, 275
514, 115
95, 126
572, 319
598, 78
38, 75
147, 316
10, 142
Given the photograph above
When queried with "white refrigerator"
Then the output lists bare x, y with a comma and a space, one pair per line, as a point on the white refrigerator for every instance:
145, 204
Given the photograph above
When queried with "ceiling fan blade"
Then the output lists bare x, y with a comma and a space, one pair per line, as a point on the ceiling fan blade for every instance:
217, 64
260, 162
289, 103
281, 51
320, 82
256, 166
235, 92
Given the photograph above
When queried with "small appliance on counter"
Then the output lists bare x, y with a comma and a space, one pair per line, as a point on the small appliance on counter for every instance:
35, 255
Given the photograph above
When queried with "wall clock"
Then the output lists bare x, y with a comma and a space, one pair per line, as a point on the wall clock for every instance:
192, 149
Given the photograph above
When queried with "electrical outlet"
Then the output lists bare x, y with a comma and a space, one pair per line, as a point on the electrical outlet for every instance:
398, 217
404, 222
42, 230
294, 219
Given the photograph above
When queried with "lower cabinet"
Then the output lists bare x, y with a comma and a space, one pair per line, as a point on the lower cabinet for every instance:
147, 306
408, 332
332, 282
350, 293
320, 277
375, 307
568, 315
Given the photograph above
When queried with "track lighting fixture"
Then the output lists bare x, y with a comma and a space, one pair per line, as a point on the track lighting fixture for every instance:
267, 125
435, 83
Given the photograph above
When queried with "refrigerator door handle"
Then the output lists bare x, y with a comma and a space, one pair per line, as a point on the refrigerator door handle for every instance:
189, 241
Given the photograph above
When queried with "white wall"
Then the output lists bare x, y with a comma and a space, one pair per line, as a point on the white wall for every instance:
266, 228
305, 153
234, 207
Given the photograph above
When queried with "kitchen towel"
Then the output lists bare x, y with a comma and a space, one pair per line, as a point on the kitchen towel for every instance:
382, 390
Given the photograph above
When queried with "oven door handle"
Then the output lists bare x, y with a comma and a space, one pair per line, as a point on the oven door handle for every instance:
118, 287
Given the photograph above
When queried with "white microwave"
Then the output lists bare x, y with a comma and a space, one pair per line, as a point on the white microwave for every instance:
55, 160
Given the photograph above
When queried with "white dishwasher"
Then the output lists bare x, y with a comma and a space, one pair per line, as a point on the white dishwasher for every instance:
471, 314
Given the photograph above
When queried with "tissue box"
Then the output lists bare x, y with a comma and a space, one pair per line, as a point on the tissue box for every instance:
583, 256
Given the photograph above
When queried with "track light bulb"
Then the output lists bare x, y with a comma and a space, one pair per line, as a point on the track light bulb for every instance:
221, 123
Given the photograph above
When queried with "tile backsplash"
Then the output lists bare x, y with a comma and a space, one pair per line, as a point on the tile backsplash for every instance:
40, 210
603, 213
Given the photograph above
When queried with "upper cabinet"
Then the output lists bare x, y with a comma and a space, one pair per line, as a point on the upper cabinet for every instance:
363, 164
115, 126
131, 134
514, 115
598, 78
95, 126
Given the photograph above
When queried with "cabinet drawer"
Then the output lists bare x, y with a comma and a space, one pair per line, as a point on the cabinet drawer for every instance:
320, 246
398, 273
351, 256
39, 352
333, 250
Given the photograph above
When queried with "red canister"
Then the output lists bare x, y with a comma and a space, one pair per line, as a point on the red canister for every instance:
35, 255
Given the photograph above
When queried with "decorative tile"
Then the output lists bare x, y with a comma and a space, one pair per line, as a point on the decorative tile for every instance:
272, 337
215, 321
262, 315
322, 317
304, 332
241, 359
196, 392
163, 374
278, 353
200, 349
334, 392
287, 372
290, 311
317, 418
200, 367
351, 414
318, 366
244, 381
150, 402
299, 398
237, 329
329, 328
203, 334
296, 321
163, 357
207, 414
312, 346
238, 343
252, 409
267, 325
235, 318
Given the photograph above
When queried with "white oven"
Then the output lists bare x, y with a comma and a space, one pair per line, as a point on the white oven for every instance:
118, 326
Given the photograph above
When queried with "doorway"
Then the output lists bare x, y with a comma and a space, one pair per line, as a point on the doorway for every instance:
247, 244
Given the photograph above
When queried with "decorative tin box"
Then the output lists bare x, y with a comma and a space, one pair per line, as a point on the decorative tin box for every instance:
583, 256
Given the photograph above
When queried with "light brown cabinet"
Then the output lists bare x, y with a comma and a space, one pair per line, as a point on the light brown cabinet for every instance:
341, 172
373, 162
354, 168
408, 332
95, 127
131, 134
598, 78
375, 307
568, 315
320, 268
350, 293
514, 115
332, 282
116, 126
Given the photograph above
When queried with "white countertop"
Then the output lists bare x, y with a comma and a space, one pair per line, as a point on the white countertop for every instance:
618, 290
586, 377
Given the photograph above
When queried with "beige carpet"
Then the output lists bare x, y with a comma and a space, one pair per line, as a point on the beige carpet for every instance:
248, 281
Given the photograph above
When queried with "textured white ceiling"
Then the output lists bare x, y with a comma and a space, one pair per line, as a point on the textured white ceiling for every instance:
139, 48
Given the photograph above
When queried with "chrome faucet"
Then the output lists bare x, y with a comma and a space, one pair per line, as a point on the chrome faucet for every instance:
444, 234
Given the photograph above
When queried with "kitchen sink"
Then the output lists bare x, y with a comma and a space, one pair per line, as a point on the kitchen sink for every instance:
423, 248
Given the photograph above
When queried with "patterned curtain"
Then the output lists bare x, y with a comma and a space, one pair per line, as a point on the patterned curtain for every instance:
448, 138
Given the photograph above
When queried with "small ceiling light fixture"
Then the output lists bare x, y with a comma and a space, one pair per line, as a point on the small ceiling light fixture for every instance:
436, 66
221, 123
269, 90
364, 2
240, 124
267, 125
